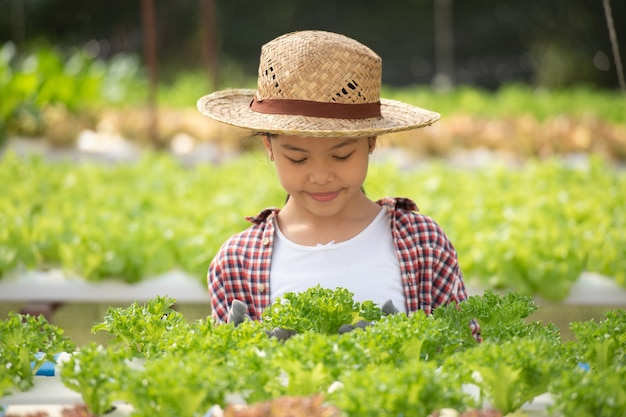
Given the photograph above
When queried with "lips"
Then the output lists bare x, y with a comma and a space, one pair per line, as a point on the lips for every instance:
324, 197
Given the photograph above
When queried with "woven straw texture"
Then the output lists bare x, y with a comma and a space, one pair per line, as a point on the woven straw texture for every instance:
320, 67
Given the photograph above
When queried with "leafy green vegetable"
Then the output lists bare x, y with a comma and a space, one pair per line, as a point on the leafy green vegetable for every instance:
96, 372
318, 309
6, 383
417, 388
398, 363
600, 344
509, 373
26, 342
501, 317
582, 393
174, 386
532, 229
79, 218
140, 328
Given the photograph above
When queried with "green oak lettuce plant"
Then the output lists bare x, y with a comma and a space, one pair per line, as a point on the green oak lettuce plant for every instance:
200, 365
417, 388
509, 373
593, 384
501, 316
310, 362
96, 373
397, 338
600, 344
140, 328
185, 367
590, 393
318, 309
6, 384
399, 362
175, 386
26, 343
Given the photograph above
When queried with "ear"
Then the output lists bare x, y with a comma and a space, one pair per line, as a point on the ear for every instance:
371, 141
267, 142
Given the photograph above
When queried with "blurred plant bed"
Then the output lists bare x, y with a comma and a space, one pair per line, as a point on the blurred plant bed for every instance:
533, 227
47, 87
519, 138
178, 130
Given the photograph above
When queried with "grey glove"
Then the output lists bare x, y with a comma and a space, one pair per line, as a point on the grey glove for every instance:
281, 334
388, 308
361, 324
237, 313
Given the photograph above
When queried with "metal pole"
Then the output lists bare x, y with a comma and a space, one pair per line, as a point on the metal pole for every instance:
444, 45
150, 53
613, 36
208, 30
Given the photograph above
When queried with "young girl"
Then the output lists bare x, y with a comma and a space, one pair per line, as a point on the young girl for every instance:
319, 111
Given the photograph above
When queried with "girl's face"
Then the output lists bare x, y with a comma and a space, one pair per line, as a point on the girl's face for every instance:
321, 175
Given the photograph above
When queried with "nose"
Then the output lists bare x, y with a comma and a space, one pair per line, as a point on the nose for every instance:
321, 174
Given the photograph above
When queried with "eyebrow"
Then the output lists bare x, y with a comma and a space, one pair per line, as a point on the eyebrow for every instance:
337, 146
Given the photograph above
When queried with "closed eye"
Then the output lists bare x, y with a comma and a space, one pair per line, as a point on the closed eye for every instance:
296, 161
303, 160
343, 158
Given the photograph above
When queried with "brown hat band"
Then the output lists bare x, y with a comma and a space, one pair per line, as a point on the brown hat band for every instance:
316, 108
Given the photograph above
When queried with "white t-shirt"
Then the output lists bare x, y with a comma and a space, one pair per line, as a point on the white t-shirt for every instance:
367, 265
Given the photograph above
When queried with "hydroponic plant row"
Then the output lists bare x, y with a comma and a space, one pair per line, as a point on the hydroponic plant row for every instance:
533, 228
395, 364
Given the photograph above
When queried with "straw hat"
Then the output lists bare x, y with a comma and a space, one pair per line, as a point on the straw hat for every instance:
314, 83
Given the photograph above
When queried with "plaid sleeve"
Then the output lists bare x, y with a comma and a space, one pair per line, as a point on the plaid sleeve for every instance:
447, 281
448, 285
217, 291
429, 260
240, 270
475, 329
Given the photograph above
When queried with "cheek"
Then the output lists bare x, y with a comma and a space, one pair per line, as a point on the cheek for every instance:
287, 176
358, 173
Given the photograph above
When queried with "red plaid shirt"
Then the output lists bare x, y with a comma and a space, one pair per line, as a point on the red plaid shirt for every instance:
428, 263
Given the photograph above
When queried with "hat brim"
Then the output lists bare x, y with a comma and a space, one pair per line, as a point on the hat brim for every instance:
233, 107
